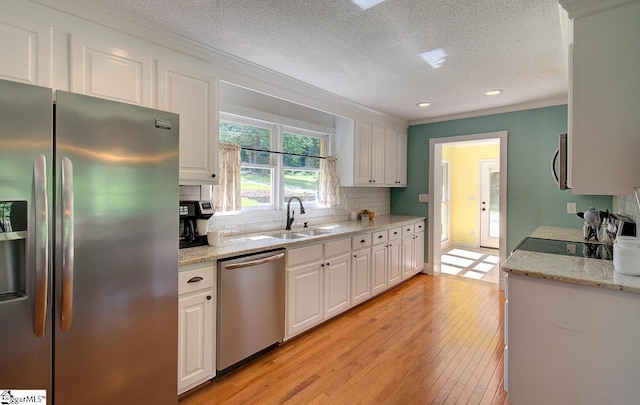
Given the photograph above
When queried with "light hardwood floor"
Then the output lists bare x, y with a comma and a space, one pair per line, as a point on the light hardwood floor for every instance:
430, 340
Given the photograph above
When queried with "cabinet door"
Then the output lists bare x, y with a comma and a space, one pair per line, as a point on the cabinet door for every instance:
418, 252
336, 285
195, 340
401, 159
390, 156
25, 47
101, 67
378, 268
305, 298
360, 268
604, 101
193, 95
377, 155
407, 257
394, 273
363, 153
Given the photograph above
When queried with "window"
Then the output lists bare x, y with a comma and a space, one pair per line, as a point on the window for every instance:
268, 180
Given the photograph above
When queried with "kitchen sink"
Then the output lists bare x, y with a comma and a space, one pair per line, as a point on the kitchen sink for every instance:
289, 235
314, 232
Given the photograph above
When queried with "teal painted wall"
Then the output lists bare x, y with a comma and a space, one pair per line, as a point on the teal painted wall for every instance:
533, 199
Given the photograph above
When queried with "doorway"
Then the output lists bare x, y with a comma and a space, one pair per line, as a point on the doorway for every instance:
467, 232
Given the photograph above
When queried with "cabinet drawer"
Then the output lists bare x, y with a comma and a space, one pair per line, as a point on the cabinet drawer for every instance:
336, 247
361, 241
380, 236
419, 227
304, 254
407, 230
196, 279
395, 233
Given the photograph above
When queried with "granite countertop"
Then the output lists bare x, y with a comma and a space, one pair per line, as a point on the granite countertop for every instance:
253, 243
575, 270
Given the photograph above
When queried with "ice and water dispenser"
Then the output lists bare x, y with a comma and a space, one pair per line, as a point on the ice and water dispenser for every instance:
13, 249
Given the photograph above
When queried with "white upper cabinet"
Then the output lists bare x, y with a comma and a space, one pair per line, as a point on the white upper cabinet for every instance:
377, 154
401, 159
108, 66
395, 158
604, 101
370, 155
192, 94
25, 47
363, 153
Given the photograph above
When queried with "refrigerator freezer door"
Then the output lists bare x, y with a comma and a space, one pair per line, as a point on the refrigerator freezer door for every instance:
116, 306
25, 165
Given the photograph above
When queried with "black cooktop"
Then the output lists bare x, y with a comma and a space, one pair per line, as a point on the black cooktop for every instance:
563, 247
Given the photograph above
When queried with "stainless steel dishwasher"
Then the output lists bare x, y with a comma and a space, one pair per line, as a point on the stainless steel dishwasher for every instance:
251, 301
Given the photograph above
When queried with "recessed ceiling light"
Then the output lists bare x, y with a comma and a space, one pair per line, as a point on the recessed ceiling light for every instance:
435, 58
493, 92
424, 104
367, 4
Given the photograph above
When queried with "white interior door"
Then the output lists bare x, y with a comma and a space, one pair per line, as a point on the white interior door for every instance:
490, 203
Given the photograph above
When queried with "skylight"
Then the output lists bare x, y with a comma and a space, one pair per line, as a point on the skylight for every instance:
366, 4
435, 58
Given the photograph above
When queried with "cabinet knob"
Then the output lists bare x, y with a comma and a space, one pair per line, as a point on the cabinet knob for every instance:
213, 175
355, 255
362, 241
328, 264
379, 236
195, 279
322, 265
208, 297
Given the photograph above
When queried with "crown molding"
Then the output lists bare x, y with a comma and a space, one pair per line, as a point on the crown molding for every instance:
230, 68
492, 111
583, 8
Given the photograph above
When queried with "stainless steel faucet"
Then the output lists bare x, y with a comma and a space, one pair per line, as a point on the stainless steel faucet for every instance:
290, 216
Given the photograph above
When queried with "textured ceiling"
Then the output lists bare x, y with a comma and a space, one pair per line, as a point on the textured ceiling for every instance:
372, 56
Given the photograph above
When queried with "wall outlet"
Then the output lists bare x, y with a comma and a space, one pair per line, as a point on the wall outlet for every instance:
423, 197
571, 208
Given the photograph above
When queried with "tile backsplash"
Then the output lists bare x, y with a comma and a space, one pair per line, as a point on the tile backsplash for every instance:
376, 199
627, 205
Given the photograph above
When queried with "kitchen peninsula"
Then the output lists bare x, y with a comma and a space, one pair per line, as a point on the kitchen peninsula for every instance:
571, 325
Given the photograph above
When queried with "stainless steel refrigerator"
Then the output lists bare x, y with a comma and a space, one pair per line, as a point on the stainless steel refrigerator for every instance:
88, 248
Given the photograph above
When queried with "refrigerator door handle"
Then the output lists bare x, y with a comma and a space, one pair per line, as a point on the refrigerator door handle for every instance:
66, 316
42, 245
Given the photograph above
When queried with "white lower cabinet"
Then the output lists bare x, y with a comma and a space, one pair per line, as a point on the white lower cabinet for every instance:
570, 343
407, 257
360, 269
418, 251
337, 280
325, 279
304, 297
196, 325
394, 274
379, 261
379, 264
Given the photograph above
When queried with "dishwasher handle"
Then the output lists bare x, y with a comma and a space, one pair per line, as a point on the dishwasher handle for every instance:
256, 262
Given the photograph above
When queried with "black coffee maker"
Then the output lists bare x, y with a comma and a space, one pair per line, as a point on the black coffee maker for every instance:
190, 213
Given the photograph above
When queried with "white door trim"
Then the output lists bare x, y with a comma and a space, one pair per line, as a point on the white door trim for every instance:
435, 191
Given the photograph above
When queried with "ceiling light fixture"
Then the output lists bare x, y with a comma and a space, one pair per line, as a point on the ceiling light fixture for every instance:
366, 4
493, 92
424, 104
435, 58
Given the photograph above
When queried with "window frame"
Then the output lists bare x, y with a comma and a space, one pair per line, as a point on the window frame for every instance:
277, 132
